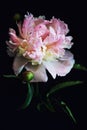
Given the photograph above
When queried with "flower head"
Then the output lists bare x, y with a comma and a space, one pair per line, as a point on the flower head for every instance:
41, 45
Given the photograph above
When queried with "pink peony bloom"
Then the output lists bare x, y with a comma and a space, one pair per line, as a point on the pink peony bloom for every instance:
40, 46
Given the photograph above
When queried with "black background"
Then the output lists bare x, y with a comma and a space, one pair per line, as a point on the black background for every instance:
11, 94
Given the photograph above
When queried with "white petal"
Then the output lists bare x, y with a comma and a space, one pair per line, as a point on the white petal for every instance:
65, 64
67, 55
49, 65
39, 72
64, 67
19, 63
60, 67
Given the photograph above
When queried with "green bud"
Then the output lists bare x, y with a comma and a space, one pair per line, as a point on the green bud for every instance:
28, 76
17, 17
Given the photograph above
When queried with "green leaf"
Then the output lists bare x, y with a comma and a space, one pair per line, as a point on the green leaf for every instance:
67, 110
39, 106
80, 67
28, 97
47, 104
63, 85
10, 76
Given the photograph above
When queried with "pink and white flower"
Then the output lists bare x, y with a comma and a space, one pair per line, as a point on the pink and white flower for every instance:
40, 46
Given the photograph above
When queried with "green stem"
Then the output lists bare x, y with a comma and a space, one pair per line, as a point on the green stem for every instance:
10, 76
29, 97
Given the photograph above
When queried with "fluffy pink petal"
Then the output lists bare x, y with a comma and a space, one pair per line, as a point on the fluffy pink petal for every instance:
39, 72
52, 37
59, 26
66, 42
28, 25
18, 64
63, 27
11, 49
56, 47
39, 20
20, 30
13, 37
41, 31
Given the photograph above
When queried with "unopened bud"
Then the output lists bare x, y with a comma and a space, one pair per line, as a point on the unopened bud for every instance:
28, 76
17, 17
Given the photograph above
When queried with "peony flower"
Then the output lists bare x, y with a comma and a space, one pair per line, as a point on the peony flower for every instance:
41, 46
